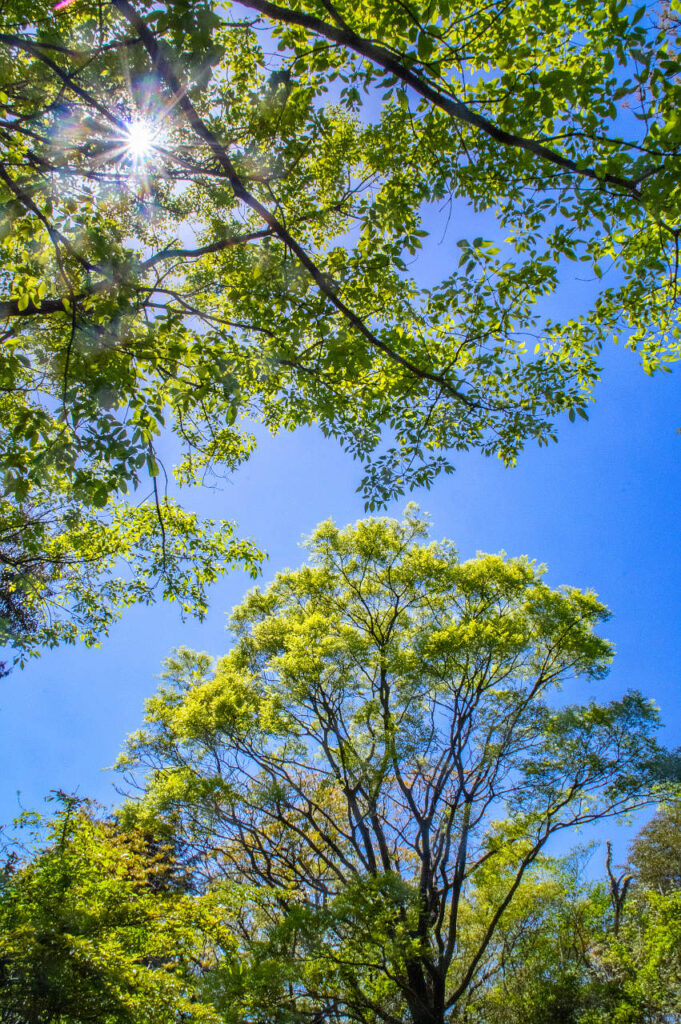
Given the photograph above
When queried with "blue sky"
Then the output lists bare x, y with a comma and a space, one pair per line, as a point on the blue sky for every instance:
600, 508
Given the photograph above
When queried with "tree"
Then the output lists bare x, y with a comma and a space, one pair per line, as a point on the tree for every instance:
17, 617
641, 961
381, 745
557, 958
655, 855
199, 229
638, 971
571, 955
586, 952
63, 567
96, 924
540, 967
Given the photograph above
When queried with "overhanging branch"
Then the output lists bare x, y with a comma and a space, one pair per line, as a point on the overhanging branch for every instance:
196, 122
379, 55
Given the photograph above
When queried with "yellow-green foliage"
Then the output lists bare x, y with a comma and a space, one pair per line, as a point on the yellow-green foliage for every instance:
100, 923
385, 753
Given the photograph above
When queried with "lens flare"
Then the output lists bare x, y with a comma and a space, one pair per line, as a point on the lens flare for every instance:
139, 140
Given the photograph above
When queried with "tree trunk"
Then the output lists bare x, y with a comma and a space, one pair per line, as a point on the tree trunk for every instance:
424, 994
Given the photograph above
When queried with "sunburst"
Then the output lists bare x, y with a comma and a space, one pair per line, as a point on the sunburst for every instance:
139, 141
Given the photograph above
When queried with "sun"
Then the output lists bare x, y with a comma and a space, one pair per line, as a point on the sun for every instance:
136, 146
140, 139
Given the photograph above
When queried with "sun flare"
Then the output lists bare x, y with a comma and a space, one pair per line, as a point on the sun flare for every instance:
139, 139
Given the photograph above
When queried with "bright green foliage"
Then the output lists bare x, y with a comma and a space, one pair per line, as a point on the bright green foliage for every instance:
381, 747
639, 970
561, 957
62, 568
98, 925
538, 969
261, 259
655, 856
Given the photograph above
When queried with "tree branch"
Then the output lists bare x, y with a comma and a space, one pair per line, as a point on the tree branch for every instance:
200, 128
379, 55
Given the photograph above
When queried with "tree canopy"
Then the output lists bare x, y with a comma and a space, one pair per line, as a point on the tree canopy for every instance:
218, 213
103, 922
560, 957
101, 925
655, 856
384, 753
